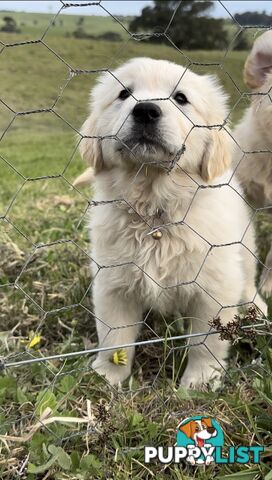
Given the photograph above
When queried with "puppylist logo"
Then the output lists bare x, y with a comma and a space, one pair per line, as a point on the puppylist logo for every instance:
200, 441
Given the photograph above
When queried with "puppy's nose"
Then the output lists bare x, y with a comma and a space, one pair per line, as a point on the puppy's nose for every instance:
146, 112
211, 430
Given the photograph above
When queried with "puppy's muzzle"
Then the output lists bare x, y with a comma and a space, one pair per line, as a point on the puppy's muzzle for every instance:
146, 113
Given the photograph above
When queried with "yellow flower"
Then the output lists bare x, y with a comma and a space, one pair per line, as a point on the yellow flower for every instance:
120, 357
34, 341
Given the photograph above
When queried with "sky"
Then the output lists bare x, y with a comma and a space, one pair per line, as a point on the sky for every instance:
128, 7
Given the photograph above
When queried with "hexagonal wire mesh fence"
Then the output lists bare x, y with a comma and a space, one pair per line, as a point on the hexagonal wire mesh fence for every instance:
46, 282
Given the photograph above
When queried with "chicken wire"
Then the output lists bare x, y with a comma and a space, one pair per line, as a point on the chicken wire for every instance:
254, 324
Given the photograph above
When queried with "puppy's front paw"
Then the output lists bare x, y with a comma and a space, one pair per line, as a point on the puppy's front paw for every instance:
260, 303
114, 374
209, 460
191, 460
266, 284
196, 378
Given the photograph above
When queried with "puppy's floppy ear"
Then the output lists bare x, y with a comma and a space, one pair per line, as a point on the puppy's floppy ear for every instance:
259, 61
187, 429
217, 155
85, 178
90, 148
207, 421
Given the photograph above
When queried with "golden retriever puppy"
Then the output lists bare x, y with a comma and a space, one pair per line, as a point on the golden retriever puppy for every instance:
253, 134
166, 226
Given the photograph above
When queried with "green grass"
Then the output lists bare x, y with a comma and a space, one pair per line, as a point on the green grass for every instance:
40, 210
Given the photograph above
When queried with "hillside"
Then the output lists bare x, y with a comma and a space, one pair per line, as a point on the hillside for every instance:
33, 25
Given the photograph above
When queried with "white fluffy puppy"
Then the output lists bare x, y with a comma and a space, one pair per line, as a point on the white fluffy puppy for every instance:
253, 134
166, 226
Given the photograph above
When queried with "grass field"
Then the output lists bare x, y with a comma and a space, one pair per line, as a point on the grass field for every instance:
58, 420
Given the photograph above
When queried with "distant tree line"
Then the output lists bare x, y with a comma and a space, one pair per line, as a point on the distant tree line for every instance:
191, 26
10, 26
254, 18
80, 32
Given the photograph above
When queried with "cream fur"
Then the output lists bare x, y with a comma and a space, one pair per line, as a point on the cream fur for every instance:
253, 134
198, 268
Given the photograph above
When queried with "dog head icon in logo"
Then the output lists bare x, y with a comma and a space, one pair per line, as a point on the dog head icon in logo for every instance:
203, 433
200, 440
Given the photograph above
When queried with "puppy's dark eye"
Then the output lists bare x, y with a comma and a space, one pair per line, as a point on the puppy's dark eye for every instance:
180, 98
124, 94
